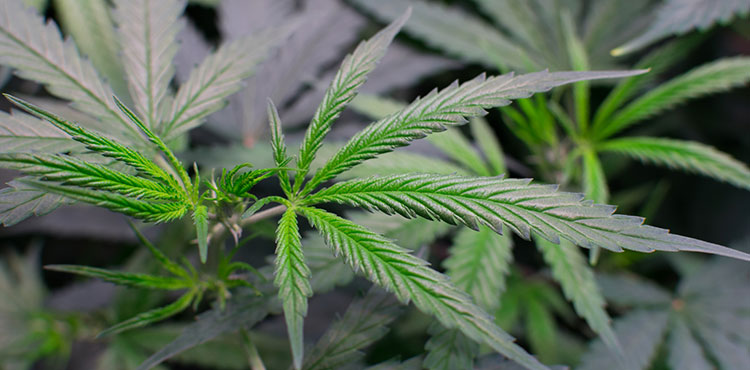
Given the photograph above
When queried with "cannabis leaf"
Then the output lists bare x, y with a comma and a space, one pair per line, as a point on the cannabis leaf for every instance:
700, 322
352, 74
677, 17
686, 155
454, 32
292, 279
409, 278
717, 76
37, 52
217, 77
448, 107
363, 323
147, 30
521, 206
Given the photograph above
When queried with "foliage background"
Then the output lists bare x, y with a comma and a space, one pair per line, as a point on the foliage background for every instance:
689, 205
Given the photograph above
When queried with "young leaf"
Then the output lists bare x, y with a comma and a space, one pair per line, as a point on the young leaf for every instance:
38, 53
686, 155
677, 17
523, 207
91, 27
200, 220
216, 78
152, 316
594, 180
278, 146
445, 108
72, 171
458, 148
147, 31
124, 278
410, 279
453, 32
717, 76
364, 323
350, 76
478, 264
579, 285
487, 141
293, 280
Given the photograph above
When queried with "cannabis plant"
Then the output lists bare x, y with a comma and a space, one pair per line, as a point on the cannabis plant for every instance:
127, 165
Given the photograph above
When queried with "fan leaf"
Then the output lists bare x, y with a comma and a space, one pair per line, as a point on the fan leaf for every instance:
350, 76
37, 52
410, 279
147, 31
448, 107
293, 280
521, 206
685, 155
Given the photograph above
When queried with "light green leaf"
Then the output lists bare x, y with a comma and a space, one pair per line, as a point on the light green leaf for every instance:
685, 155
38, 53
445, 108
458, 148
148, 211
640, 334
278, 146
450, 30
487, 141
293, 280
478, 264
579, 285
594, 180
364, 323
710, 78
20, 133
90, 25
100, 144
124, 278
72, 171
152, 316
541, 329
411, 279
449, 349
147, 30
676, 17
349, 77
217, 77
521, 206
658, 61
200, 220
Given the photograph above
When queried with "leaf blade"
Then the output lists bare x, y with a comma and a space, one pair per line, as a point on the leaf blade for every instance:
521, 206
686, 155
350, 76
409, 278
292, 277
